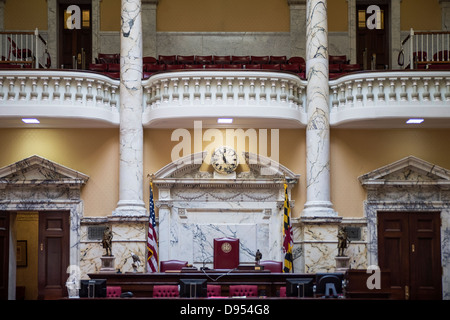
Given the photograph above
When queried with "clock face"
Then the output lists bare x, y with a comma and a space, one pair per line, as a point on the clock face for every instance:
224, 160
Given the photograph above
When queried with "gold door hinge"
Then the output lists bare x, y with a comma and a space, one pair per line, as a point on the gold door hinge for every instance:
42, 247
413, 248
407, 292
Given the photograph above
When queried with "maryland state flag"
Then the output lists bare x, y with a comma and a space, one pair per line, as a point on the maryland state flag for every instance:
288, 242
152, 240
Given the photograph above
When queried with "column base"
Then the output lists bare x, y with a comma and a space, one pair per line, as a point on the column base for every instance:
319, 209
130, 208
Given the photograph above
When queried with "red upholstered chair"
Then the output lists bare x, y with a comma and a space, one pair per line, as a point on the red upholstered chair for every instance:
113, 292
282, 292
260, 59
171, 265
165, 291
204, 59
243, 290
222, 59
271, 265
240, 59
213, 290
163, 59
185, 59
278, 59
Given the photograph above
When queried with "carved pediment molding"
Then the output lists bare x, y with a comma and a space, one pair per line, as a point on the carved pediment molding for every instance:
407, 172
37, 170
264, 173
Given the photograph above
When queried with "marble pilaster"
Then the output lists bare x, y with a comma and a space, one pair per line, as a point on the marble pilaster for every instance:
445, 10
131, 130
318, 127
297, 9
149, 25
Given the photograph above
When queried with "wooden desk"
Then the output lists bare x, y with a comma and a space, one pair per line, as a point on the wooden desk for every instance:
141, 284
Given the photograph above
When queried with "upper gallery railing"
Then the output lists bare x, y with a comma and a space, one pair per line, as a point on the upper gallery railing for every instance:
27, 49
55, 93
257, 95
377, 95
420, 49
247, 93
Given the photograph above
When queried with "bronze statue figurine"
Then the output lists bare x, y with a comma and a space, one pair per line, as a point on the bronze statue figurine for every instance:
107, 241
342, 241
258, 257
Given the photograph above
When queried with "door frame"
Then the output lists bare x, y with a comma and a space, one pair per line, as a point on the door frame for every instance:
384, 5
53, 29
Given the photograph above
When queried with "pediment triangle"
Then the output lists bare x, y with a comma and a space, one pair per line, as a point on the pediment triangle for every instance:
407, 169
36, 168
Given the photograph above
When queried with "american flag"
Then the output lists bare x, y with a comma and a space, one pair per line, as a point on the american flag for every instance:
152, 240
288, 242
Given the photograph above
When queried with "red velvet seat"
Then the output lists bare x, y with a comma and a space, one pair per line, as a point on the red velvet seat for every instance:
260, 59
151, 60
99, 67
278, 59
295, 67
186, 59
222, 59
338, 59
172, 265
203, 59
271, 67
271, 265
243, 290
113, 67
163, 59
213, 290
165, 291
240, 59
113, 292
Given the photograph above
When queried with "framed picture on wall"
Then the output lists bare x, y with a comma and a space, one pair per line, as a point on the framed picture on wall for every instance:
21, 258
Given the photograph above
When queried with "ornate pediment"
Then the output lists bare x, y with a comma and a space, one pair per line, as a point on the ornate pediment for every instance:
409, 171
37, 170
193, 170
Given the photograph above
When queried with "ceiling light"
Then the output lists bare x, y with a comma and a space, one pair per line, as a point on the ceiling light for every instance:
30, 120
414, 121
225, 120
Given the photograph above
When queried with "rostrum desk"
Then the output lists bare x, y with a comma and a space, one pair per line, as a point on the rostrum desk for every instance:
141, 284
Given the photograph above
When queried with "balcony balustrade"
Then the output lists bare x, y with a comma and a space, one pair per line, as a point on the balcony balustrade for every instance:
383, 95
238, 94
59, 94
264, 98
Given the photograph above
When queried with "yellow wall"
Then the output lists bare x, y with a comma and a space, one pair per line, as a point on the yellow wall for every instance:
420, 15
25, 15
337, 15
356, 152
110, 15
94, 152
223, 15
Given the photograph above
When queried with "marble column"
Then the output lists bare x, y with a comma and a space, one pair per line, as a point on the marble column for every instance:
131, 130
318, 127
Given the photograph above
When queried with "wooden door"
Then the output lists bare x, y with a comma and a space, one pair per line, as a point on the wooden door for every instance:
372, 42
409, 247
75, 41
4, 254
53, 257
